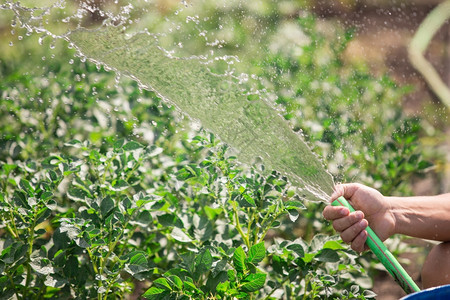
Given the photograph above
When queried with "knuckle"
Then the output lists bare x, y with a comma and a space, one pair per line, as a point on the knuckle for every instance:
356, 230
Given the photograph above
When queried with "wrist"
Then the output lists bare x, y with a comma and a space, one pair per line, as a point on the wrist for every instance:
396, 214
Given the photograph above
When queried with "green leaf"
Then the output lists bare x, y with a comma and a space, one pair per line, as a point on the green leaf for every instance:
155, 293
106, 206
180, 236
294, 204
223, 287
130, 146
328, 279
293, 214
211, 213
42, 214
250, 201
297, 248
139, 259
53, 176
20, 199
177, 282
55, 281
318, 241
191, 286
144, 219
327, 255
162, 283
119, 185
275, 224
119, 143
239, 260
73, 143
423, 165
135, 270
77, 194
13, 252
254, 282
169, 220
220, 266
31, 166
41, 268
203, 262
46, 196
8, 168
333, 245
84, 241
308, 257
369, 294
26, 186
257, 253
231, 274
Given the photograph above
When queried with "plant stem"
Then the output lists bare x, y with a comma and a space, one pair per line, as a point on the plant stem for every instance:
274, 289
13, 231
130, 173
109, 285
13, 285
30, 242
96, 271
108, 164
266, 229
236, 216
9, 229
306, 287
238, 225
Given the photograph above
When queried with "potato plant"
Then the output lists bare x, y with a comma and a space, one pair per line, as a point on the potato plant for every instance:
92, 224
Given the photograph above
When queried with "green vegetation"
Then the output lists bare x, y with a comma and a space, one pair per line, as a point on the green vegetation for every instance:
106, 191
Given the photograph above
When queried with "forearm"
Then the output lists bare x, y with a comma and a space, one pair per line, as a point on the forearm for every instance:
422, 217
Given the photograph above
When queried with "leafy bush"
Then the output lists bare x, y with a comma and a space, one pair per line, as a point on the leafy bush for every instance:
106, 191
201, 233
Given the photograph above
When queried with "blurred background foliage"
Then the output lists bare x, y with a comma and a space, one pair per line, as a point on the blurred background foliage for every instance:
336, 70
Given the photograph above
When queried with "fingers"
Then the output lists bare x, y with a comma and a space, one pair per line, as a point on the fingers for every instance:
335, 212
352, 232
359, 243
351, 225
346, 190
346, 222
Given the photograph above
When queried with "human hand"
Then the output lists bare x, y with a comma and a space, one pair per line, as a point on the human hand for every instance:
371, 207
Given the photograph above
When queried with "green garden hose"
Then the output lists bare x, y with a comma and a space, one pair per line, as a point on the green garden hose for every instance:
384, 255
